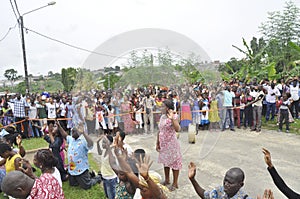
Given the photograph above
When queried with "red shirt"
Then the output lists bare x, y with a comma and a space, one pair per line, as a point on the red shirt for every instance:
46, 187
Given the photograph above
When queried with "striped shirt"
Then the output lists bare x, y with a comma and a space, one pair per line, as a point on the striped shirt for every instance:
19, 108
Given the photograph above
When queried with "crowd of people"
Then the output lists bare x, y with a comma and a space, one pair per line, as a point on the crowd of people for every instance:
67, 120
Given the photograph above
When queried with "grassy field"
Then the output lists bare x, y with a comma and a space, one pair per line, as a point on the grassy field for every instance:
70, 192
272, 125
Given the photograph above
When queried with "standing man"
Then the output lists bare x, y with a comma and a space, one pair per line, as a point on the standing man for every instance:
294, 91
51, 108
149, 106
79, 145
227, 105
21, 113
272, 93
258, 96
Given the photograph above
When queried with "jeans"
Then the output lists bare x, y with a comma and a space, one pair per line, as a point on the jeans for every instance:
270, 110
295, 105
84, 180
227, 112
109, 186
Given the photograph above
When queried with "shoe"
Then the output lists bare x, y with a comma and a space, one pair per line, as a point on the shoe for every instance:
172, 188
232, 129
287, 131
222, 129
258, 130
279, 130
92, 174
252, 129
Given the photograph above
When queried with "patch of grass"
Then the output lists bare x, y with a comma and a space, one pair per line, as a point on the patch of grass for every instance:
95, 192
272, 125
34, 143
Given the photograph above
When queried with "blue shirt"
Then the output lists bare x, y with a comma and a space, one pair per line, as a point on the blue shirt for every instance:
228, 98
218, 193
77, 155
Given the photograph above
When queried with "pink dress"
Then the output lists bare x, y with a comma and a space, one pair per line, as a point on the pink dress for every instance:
169, 154
126, 118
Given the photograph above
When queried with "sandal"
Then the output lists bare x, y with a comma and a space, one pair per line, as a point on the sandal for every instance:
165, 183
172, 188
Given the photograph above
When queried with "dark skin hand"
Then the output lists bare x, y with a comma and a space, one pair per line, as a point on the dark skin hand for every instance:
267, 157
268, 194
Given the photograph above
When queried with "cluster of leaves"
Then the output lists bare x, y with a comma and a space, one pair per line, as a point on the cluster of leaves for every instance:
274, 56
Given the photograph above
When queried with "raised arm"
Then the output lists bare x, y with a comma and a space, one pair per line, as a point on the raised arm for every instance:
192, 173
143, 167
88, 139
62, 131
278, 181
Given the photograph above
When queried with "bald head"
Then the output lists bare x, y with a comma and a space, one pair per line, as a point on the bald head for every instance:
233, 181
17, 184
236, 174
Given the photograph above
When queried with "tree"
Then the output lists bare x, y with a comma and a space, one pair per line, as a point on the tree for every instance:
110, 80
50, 73
279, 30
11, 75
68, 77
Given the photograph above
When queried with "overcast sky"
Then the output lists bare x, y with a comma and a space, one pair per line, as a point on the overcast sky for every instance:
215, 25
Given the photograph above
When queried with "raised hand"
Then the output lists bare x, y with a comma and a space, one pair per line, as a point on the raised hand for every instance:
144, 165
267, 157
19, 140
192, 170
268, 194
170, 114
26, 168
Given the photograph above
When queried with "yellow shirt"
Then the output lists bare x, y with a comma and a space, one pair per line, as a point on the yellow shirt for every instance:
10, 163
106, 170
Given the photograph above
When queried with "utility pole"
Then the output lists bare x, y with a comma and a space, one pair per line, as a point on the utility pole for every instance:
24, 55
23, 42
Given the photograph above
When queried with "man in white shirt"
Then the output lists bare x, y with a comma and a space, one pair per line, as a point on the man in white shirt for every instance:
294, 91
51, 109
272, 93
258, 96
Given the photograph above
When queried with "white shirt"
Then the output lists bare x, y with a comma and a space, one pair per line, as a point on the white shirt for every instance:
272, 98
294, 92
56, 175
51, 110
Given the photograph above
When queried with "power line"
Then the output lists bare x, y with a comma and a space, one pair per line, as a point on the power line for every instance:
73, 46
9, 29
17, 7
13, 9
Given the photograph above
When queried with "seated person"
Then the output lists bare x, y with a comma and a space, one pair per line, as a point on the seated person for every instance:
79, 145
232, 184
19, 185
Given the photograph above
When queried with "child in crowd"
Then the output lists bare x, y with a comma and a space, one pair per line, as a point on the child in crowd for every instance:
284, 112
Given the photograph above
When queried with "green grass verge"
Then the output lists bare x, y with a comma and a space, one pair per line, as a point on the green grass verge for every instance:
34, 143
272, 125
95, 192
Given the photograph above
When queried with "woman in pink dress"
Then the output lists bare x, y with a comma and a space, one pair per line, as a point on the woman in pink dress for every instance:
167, 144
126, 111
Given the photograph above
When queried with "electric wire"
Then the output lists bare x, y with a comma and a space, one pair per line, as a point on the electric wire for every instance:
13, 9
73, 46
17, 8
8, 31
